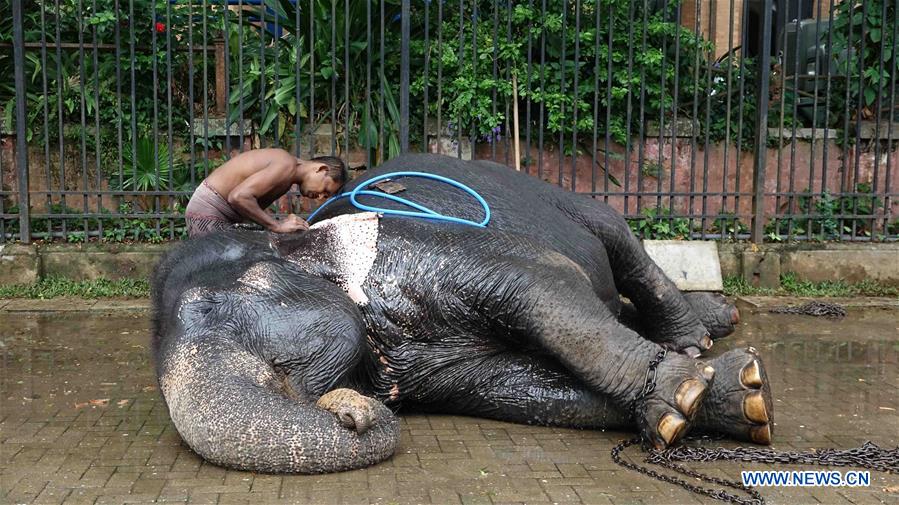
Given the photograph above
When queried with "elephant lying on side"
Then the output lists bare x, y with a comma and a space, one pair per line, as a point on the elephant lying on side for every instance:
279, 353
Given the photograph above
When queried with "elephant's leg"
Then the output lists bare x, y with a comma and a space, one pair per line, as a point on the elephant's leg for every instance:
718, 315
528, 389
674, 323
548, 302
520, 388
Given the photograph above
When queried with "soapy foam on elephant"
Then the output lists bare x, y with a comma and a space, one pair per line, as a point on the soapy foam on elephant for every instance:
351, 240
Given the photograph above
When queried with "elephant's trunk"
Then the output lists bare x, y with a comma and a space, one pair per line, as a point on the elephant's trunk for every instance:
235, 410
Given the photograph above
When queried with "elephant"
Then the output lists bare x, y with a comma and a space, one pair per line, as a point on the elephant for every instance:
290, 353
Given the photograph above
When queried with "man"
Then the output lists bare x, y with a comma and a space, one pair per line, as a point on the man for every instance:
248, 183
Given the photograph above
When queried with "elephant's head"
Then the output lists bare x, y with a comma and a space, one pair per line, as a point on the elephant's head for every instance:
251, 356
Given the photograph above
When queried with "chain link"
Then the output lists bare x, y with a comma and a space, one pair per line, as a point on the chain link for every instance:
813, 308
649, 385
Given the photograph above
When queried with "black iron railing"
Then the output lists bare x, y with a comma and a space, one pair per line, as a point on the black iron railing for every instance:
700, 119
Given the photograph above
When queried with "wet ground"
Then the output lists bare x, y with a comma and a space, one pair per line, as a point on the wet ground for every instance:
82, 422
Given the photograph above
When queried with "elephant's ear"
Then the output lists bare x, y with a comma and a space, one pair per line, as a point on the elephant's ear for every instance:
285, 243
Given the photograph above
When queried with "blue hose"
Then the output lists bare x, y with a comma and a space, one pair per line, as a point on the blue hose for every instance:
423, 212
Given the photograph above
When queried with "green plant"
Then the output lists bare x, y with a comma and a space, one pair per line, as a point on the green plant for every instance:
648, 51
52, 287
63, 84
864, 50
827, 221
728, 223
278, 92
791, 285
657, 224
150, 166
75, 237
822, 215
115, 229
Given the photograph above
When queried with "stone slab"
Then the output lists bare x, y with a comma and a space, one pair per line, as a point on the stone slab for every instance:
761, 268
86, 264
137, 305
878, 264
450, 146
730, 259
692, 265
49, 305
19, 264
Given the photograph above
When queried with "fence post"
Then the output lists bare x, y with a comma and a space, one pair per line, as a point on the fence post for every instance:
221, 79
404, 76
21, 126
761, 127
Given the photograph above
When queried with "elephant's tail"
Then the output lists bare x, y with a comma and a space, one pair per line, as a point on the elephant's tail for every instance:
235, 410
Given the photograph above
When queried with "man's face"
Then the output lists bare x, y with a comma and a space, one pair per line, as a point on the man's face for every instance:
320, 185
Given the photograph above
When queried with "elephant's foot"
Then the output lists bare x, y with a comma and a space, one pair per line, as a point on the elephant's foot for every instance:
718, 315
739, 403
681, 385
353, 410
692, 343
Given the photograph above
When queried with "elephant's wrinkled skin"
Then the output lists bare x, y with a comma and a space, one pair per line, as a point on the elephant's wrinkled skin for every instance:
263, 341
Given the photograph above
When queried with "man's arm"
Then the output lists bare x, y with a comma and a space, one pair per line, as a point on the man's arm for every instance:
245, 199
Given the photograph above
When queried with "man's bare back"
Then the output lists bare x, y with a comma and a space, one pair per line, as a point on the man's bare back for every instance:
248, 183
273, 170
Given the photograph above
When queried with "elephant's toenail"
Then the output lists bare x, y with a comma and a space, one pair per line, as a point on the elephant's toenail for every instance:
707, 341
692, 351
688, 396
754, 407
708, 372
760, 434
751, 375
670, 427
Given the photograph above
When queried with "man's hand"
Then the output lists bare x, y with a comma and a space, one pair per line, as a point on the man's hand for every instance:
291, 224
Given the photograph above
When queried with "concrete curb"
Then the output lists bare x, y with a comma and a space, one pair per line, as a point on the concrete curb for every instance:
760, 265
73, 305
142, 305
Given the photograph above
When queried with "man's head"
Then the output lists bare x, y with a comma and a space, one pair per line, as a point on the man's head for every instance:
323, 176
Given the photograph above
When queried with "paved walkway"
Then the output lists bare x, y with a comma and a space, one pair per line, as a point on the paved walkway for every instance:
82, 422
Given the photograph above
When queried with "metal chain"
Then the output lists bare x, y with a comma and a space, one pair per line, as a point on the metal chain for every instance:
869, 456
813, 308
717, 494
649, 385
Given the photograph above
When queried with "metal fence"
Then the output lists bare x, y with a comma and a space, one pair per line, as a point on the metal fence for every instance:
763, 119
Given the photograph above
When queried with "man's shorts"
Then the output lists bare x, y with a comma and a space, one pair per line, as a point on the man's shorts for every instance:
208, 212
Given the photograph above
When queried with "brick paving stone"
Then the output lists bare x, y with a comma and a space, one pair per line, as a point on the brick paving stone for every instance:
171, 498
203, 498
81, 497
476, 499
53, 452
